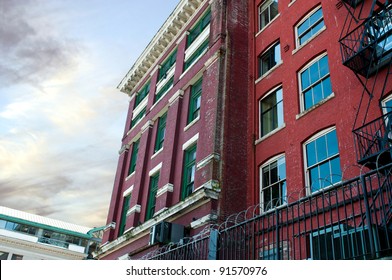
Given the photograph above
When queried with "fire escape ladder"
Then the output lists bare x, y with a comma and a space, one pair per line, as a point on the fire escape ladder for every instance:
366, 48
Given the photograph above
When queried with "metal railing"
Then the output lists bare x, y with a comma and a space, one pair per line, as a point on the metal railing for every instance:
368, 46
350, 220
373, 141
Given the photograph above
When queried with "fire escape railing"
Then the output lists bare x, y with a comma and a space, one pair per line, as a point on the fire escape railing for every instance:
373, 141
369, 46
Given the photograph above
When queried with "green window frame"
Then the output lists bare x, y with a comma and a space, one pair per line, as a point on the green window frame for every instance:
142, 94
150, 210
138, 117
125, 208
165, 67
195, 101
195, 31
196, 54
132, 164
161, 131
164, 89
189, 172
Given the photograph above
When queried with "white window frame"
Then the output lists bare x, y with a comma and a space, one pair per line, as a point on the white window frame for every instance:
261, 8
260, 117
273, 45
306, 169
301, 95
297, 43
265, 164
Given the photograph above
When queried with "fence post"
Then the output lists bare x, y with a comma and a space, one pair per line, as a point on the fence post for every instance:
213, 244
368, 217
277, 234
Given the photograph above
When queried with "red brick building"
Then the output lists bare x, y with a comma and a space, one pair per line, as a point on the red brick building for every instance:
305, 102
183, 138
293, 135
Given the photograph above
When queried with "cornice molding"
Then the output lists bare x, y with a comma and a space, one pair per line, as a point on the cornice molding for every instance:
163, 39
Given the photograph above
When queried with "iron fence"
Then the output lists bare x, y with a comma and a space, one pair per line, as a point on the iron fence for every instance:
349, 220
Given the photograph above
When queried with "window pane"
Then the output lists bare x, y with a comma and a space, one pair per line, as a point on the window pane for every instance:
303, 27
314, 73
323, 64
308, 95
280, 114
282, 168
327, 90
315, 17
321, 146
336, 173
266, 179
305, 79
277, 54
274, 172
16, 257
317, 27
314, 179
324, 174
311, 153
317, 93
3, 255
332, 142
269, 59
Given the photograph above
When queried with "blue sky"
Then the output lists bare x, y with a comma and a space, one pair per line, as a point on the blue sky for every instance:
61, 115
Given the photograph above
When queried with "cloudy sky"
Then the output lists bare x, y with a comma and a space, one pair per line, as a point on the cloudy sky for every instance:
61, 115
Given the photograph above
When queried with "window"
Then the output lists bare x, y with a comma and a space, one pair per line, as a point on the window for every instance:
322, 160
125, 208
152, 196
164, 89
142, 94
194, 103
315, 83
160, 133
310, 26
200, 50
167, 65
267, 12
271, 112
16, 257
199, 27
3, 255
138, 117
269, 59
132, 164
189, 172
273, 183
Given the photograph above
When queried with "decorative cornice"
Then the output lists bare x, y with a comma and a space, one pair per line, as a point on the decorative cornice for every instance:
147, 125
163, 39
166, 188
135, 209
207, 160
123, 149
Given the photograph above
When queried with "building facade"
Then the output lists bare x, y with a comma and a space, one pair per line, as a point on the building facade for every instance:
24, 236
316, 95
184, 137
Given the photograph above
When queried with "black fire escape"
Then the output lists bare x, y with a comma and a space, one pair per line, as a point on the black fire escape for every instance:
366, 47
